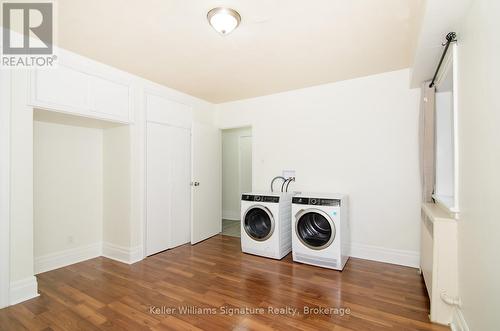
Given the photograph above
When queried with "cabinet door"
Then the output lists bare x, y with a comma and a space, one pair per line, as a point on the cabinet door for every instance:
110, 99
162, 110
69, 90
159, 190
62, 88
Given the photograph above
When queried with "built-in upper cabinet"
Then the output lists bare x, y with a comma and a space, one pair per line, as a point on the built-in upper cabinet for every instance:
64, 88
110, 98
165, 111
89, 93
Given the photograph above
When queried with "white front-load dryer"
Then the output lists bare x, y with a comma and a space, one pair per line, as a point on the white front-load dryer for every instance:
266, 224
320, 230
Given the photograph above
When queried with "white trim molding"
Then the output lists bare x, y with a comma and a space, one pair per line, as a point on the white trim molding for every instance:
231, 215
122, 254
64, 258
22, 290
458, 322
387, 255
25, 289
5, 109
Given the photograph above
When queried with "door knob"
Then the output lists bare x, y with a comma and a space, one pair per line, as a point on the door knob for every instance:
195, 183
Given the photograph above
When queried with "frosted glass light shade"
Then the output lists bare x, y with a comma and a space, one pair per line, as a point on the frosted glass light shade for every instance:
223, 20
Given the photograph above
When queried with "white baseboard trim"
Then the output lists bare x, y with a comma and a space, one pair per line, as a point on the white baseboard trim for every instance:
388, 255
22, 290
231, 215
122, 254
64, 258
25, 289
458, 322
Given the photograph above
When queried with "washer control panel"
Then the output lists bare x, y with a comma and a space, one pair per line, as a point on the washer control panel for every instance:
316, 201
260, 198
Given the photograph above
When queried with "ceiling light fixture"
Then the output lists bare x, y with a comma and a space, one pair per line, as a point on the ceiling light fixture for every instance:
223, 20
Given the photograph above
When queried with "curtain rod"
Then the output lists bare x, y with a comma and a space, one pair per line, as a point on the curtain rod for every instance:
450, 37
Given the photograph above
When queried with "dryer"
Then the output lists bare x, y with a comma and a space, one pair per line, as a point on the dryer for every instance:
320, 230
266, 224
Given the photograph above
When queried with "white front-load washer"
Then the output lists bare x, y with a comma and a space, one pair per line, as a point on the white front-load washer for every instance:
320, 230
266, 224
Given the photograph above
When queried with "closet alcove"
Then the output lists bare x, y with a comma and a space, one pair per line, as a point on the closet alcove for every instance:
81, 187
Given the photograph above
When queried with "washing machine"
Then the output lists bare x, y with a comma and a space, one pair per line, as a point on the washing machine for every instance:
266, 224
320, 230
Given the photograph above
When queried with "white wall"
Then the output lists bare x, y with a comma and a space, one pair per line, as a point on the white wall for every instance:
67, 187
357, 137
231, 174
116, 186
479, 136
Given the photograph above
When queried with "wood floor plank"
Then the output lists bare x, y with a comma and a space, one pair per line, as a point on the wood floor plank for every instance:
216, 278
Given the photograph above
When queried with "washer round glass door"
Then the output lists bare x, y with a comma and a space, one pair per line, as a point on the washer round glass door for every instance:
314, 228
258, 223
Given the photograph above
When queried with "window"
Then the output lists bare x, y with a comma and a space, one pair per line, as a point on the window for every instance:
446, 185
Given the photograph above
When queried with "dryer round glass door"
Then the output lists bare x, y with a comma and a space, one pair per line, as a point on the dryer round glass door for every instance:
315, 229
258, 223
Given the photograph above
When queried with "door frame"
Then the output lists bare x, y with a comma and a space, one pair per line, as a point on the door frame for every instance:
251, 126
239, 160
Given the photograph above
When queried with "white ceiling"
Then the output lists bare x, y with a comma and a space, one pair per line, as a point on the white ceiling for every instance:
280, 44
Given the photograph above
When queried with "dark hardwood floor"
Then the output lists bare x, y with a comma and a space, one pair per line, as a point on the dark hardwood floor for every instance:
101, 294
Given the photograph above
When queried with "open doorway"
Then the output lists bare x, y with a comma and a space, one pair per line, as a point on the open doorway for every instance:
236, 176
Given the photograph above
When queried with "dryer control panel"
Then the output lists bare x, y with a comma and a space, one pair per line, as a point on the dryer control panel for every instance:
260, 198
316, 201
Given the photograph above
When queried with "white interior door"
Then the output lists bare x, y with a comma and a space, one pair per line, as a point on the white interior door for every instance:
206, 189
180, 142
168, 187
158, 188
